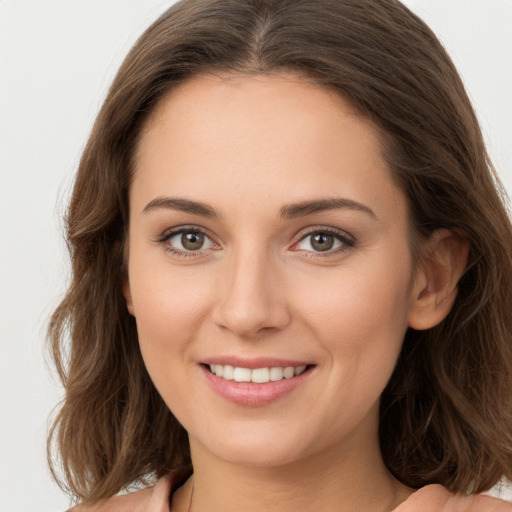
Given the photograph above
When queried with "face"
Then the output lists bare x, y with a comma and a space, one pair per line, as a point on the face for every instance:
267, 243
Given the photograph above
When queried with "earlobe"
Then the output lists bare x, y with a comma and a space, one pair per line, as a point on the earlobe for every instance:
126, 281
435, 287
128, 296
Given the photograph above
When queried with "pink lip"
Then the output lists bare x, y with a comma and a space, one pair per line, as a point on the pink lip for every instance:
251, 394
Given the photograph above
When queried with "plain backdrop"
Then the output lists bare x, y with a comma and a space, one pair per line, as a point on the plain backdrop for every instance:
57, 57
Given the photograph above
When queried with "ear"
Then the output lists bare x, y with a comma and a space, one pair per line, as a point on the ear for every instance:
437, 276
123, 247
128, 296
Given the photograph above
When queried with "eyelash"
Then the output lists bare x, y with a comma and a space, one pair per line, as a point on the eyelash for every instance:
164, 239
345, 240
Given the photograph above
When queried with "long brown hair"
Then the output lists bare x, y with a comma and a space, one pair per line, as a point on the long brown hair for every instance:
446, 414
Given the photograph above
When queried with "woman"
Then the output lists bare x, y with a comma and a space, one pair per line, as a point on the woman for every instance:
291, 271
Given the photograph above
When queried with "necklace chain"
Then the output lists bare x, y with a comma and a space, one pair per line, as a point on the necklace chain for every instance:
191, 494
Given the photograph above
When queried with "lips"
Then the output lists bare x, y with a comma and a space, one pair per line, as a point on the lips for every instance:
255, 382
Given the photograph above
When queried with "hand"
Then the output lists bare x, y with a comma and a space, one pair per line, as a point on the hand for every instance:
435, 498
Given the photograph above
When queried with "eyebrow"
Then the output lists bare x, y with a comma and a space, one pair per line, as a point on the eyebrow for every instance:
183, 205
309, 207
287, 212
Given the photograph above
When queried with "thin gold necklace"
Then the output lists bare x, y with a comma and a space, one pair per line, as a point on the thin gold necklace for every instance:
191, 494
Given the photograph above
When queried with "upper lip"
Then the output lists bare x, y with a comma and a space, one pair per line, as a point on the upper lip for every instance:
255, 362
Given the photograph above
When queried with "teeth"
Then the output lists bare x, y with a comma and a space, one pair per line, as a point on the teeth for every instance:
276, 374
299, 370
242, 375
228, 373
258, 375
288, 372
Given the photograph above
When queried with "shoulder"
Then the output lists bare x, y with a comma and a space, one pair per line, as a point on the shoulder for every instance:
435, 498
134, 502
151, 499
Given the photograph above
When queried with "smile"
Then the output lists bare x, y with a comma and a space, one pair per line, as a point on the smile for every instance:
256, 375
260, 385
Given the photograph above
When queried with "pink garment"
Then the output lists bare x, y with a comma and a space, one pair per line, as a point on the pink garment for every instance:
431, 498
152, 499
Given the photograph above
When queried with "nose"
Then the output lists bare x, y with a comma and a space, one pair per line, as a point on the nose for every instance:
252, 298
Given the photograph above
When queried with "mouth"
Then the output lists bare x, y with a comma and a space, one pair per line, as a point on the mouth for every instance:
256, 381
262, 375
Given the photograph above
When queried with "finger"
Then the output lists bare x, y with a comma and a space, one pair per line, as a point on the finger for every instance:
483, 503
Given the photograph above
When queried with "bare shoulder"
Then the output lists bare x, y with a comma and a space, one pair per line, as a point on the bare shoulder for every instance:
435, 498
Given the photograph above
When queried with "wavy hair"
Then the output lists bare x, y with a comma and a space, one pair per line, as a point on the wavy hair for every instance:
446, 414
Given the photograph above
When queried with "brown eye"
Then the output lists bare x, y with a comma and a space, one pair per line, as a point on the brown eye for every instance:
192, 240
322, 242
188, 241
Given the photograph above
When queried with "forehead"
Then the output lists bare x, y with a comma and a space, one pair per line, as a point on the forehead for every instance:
259, 136
257, 99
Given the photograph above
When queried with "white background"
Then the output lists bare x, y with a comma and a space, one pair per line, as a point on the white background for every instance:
57, 57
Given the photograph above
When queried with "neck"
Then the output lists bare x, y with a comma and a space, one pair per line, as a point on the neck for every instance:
341, 480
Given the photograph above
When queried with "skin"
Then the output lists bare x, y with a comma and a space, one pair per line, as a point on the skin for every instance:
248, 147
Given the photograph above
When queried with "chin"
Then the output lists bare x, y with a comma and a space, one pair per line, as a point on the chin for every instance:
255, 449
268, 456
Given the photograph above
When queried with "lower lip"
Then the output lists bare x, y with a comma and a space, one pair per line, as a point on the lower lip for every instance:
251, 394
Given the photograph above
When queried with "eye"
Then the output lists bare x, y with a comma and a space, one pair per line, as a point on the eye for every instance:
185, 241
324, 241
190, 241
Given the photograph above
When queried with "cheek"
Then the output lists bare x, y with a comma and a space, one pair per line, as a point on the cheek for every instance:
168, 310
359, 314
